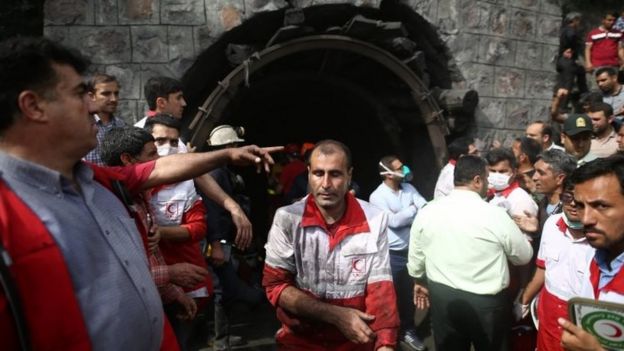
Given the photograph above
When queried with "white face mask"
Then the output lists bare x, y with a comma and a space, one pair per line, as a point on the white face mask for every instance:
166, 149
498, 181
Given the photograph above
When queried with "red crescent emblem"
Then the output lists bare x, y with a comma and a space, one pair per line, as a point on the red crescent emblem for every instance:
356, 265
171, 209
616, 329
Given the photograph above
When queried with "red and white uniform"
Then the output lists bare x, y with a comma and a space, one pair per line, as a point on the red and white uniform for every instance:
344, 264
604, 47
515, 200
179, 205
564, 259
611, 292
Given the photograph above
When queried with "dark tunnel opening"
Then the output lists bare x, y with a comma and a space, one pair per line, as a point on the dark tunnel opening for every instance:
366, 84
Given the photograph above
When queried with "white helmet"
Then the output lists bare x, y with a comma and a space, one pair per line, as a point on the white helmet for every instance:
226, 134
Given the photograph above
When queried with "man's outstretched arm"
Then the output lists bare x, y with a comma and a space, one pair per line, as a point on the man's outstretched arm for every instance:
179, 167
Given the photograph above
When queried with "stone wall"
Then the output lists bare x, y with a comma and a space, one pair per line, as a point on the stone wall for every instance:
502, 48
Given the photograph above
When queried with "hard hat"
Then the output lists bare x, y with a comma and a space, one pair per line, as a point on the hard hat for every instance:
226, 134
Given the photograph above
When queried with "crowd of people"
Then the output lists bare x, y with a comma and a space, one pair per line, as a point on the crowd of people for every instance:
113, 236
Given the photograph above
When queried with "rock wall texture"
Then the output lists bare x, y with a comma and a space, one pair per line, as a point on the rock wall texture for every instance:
503, 48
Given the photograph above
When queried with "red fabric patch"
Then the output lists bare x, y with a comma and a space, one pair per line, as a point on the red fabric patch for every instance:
616, 284
352, 222
561, 224
44, 285
513, 186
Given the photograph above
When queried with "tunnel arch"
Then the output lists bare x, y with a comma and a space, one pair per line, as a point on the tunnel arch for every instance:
392, 113
211, 112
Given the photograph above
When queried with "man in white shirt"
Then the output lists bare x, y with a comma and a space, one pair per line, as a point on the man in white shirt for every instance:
463, 244
456, 149
163, 95
397, 197
543, 134
502, 180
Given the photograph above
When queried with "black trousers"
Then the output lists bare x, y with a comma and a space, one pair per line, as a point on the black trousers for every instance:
460, 318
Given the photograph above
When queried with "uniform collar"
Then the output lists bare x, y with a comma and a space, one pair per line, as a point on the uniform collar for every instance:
353, 221
599, 263
508, 190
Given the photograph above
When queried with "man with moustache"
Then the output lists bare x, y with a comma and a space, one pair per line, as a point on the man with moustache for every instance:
561, 256
104, 95
327, 268
599, 198
70, 245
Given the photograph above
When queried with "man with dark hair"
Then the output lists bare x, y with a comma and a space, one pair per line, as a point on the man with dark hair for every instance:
542, 133
401, 201
502, 180
104, 94
465, 244
563, 249
456, 149
74, 248
131, 145
620, 136
604, 142
163, 95
569, 71
327, 268
599, 198
576, 137
526, 150
612, 92
603, 45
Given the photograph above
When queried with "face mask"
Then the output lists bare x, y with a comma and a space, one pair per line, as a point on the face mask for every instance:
166, 149
405, 174
572, 224
498, 181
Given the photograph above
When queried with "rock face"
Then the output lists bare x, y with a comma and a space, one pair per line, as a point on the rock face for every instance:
502, 48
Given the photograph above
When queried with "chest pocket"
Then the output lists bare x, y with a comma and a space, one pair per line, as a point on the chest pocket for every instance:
356, 259
551, 253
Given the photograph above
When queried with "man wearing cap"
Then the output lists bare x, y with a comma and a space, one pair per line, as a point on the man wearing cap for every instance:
401, 201
576, 137
604, 143
221, 236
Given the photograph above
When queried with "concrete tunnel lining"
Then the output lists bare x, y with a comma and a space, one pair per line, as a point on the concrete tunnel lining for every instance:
425, 152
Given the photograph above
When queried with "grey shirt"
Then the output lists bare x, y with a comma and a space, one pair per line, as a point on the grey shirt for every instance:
102, 249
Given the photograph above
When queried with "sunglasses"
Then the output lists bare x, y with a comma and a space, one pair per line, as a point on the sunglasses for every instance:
567, 198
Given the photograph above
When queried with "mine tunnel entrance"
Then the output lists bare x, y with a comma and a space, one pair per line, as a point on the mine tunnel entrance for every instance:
363, 76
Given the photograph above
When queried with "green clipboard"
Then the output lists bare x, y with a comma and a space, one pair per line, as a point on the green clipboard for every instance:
605, 320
